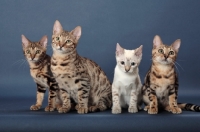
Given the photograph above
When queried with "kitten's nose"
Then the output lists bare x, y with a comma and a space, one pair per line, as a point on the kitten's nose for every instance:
127, 68
165, 57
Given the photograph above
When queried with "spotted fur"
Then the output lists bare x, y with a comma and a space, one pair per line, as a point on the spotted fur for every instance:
80, 80
39, 62
160, 89
127, 87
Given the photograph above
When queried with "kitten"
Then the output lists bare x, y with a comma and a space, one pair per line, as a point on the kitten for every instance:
126, 87
160, 88
79, 78
39, 62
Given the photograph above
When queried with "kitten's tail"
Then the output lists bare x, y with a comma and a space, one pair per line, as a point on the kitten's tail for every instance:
189, 107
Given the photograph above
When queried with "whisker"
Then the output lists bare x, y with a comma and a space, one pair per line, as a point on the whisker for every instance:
179, 65
176, 67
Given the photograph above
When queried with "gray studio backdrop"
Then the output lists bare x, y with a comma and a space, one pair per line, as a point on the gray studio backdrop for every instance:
104, 23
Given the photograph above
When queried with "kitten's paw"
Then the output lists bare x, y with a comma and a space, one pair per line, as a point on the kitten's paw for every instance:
153, 110
116, 110
63, 109
35, 107
102, 107
82, 110
93, 108
58, 106
49, 109
146, 108
132, 110
176, 110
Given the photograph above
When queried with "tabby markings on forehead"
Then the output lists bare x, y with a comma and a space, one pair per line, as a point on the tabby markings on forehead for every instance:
33, 45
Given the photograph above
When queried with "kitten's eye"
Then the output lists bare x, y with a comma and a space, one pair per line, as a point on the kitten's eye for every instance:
122, 62
37, 52
28, 52
171, 53
132, 63
161, 51
68, 41
57, 38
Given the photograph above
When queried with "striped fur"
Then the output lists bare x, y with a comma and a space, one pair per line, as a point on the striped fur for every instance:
39, 62
126, 87
80, 80
160, 89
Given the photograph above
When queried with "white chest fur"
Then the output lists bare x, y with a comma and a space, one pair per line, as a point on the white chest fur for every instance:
124, 83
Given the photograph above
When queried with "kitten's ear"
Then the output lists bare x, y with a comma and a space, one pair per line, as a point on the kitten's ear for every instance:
119, 50
157, 42
43, 41
176, 45
57, 28
76, 32
138, 51
25, 41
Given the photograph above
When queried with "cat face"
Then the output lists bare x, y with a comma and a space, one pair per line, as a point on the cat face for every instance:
128, 60
164, 54
34, 51
64, 41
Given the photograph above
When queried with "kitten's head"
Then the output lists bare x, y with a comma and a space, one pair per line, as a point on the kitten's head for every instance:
34, 51
164, 54
64, 41
128, 60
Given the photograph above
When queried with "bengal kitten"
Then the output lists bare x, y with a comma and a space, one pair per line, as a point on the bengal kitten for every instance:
39, 62
160, 88
79, 78
126, 86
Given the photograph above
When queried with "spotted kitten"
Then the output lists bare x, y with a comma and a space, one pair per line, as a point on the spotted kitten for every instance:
126, 87
39, 62
80, 79
160, 88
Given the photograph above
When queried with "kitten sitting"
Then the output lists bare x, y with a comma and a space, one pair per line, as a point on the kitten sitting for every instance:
126, 87
39, 62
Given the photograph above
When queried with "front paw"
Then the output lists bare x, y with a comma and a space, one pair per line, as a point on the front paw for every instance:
35, 107
82, 110
132, 110
116, 110
63, 109
49, 109
153, 110
175, 110
93, 108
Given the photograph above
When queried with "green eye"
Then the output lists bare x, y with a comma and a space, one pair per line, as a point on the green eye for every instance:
57, 38
68, 41
171, 53
161, 51
28, 52
37, 52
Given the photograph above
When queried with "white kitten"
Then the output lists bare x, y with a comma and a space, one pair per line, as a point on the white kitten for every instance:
126, 87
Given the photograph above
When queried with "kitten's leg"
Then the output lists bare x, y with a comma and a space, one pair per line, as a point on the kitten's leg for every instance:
133, 102
83, 95
52, 96
153, 105
58, 99
173, 107
116, 109
66, 102
40, 96
106, 100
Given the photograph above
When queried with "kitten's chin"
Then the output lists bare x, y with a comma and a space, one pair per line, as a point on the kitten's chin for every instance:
33, 61
165, 62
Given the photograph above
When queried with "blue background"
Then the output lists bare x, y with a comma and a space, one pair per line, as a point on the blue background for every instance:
104, 23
